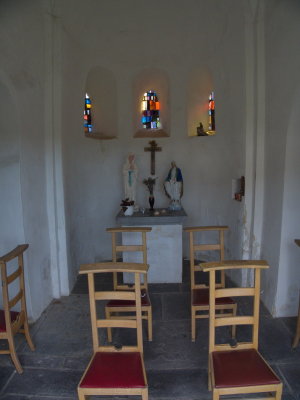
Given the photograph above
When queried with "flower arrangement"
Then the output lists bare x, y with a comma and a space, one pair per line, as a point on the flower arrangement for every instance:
126, 203
150, 182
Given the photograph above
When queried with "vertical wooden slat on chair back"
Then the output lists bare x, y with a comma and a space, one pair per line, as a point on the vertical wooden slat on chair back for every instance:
194, 247
128, 248
219, 320
137, 269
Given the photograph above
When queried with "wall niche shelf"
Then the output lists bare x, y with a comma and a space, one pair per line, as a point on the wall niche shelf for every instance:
99, 136
203, 134
151, 133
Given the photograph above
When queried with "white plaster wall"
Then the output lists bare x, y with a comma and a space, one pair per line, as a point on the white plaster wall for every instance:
11, 219
125, 38
281, 213
22, 67
288, 284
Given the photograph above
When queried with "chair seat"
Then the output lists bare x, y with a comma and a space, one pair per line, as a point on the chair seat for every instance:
131, 303
114, 370
201, 298
13, 316
241, 368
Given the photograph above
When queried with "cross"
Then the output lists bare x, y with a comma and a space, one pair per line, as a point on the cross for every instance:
153, 148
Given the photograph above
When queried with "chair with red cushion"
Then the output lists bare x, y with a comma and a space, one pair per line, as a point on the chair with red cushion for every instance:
200, 291
12, 322
115, 370
134, 247
238, 368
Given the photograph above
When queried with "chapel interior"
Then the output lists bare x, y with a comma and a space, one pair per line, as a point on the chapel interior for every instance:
62, 186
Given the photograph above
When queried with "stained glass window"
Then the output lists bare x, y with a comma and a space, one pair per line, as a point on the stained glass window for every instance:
150, 111
211, 112
87, 114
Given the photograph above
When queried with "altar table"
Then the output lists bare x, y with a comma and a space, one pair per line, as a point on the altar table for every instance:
164, 242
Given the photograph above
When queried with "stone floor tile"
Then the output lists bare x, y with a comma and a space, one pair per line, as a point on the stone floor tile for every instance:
291, 375
275, 341
156, 301
176, 306
38, 360
43, 382
172, 347
180, 384
6, 373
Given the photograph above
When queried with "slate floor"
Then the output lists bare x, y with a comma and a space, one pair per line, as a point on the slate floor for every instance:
176, 367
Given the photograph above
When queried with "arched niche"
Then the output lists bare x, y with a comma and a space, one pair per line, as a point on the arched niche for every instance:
199, 87
101, 87
158, 81
11, 212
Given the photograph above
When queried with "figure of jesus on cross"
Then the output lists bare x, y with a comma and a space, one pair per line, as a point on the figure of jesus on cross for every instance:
153, 148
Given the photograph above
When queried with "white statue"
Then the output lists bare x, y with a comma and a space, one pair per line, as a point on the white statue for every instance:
174, 186
130, 172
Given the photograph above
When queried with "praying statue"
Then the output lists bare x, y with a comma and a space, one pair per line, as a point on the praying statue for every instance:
174, 186
130, 172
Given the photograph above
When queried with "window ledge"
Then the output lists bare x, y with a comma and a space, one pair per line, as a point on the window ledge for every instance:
205, 133
150, 133
99, 136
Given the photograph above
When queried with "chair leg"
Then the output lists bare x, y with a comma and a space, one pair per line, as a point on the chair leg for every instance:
216, 395
27, 335
193, 316
149, 320
81, 396
297, 334
278, 392
109, 334
14, 356
144, 394
233, 328
209, 377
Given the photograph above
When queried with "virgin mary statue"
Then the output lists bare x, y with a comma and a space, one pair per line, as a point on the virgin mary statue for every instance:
174, 186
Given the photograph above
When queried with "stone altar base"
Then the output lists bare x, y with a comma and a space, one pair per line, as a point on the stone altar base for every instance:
164, 250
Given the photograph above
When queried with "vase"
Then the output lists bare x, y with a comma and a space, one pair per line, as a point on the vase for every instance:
129, 211
151, 201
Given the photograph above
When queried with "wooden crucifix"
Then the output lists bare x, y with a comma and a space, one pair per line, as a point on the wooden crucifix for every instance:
153, 148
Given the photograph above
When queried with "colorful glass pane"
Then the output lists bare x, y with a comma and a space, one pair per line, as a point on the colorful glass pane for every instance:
211, 112
87, 115
150, 111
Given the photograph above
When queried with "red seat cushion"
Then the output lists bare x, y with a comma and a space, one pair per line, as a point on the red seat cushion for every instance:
115, 370
201, 298
241, 368
13, 317
131, 303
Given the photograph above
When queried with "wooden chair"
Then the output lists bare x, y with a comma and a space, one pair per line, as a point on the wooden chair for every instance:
115, 371
12, 322
116, 307
238, 368
297, 333
200, 291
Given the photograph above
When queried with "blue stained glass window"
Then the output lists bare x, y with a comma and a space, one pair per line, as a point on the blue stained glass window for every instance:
150, 111
87, 114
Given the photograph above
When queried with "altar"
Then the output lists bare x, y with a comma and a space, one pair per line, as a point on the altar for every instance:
164, 242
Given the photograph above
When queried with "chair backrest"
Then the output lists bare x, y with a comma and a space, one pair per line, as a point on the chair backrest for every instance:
136, 236
197, 245
135, 323
219, 320
19, 297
